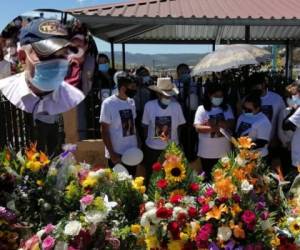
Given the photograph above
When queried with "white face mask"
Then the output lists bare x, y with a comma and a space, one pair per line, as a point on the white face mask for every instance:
216, 101
166, 101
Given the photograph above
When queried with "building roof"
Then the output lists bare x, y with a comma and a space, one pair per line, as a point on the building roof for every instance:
146, 21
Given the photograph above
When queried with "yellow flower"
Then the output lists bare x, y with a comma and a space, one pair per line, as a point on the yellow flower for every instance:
40, 183
174, 172
184, 236
89, 182
43, 158
235, 209
151, 242
294, 227
195, 227
71, 190
34, 166
135, 228
275, 242
137, 184
216, 212
175, 245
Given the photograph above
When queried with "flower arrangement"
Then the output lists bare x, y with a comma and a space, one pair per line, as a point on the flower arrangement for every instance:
233, 212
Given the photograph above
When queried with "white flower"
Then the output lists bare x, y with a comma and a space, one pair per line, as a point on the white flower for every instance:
224, 233
95, 217
145, 197
225, 160
290, 220
144, 220
190, 200
122, 176
149, 205
240, 161
266, 225
178, 210
168, 205
61, 245
72, 228
246, 187
109, 204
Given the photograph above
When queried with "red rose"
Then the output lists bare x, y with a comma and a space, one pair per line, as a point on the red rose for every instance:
162, 183
176, 198
209, 192
249, 217
164, 213
194, 187
201, 200
156, 166
181, 217
192, 211
174, 228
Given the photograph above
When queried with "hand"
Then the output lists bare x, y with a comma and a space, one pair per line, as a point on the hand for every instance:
115, 158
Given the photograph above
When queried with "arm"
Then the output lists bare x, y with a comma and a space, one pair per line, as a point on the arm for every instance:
204, 128
104, 129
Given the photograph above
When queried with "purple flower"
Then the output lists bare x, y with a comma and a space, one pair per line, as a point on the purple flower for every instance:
229, 245
260, 205
236, 198
264, 215
7, 215
213, 246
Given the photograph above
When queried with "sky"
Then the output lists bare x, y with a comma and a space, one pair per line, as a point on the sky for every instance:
12, 8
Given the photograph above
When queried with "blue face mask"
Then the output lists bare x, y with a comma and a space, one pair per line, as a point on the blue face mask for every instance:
103, 67
296, 100
185, 78
216, 101
165, 101
249, 114
49, 75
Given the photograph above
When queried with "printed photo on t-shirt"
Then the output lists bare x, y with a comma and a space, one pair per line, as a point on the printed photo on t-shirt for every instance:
214, 120
127, 122
243, 127
163, 126
268, 111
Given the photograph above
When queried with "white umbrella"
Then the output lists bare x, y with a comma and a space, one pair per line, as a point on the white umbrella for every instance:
230, 57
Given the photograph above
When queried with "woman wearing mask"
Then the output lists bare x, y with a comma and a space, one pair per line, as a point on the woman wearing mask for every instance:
162, 119
255, 124
214, 114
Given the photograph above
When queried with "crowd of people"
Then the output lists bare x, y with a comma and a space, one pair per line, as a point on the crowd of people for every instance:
48, 69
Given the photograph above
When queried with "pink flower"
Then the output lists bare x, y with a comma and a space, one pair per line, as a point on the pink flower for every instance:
87, 199
205, 208
209, 192
205, 232
31, 243
49, 228
48, 243
248, 217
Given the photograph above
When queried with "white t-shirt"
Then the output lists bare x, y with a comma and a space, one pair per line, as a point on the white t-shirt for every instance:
285, 136
120, 115
295, 119
16, 90
271, 105
212, 145
5, 69
161, 120
256, 127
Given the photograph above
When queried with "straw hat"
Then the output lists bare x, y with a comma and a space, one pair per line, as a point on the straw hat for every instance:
165, 86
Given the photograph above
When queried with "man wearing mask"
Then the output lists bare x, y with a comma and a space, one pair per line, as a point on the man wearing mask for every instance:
189, 101
104, 77
162, 120
117, 113
5, 67
271, 105
41, 88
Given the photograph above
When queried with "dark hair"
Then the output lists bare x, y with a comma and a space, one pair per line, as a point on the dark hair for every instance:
257, 78
125, 80
181, 65
141, 69
102, 55
210, 90
254, 98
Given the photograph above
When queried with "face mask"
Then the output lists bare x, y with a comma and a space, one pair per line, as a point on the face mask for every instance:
248, 114
12, 51
290, 102
146, 79
165, 101
130, 93
296, 100
216, 101
103, 67
50, 74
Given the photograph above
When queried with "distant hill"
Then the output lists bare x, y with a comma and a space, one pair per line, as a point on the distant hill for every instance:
165, 61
